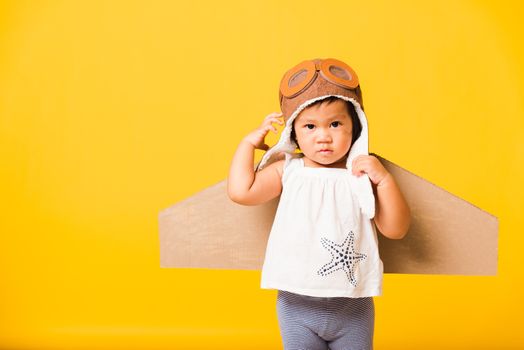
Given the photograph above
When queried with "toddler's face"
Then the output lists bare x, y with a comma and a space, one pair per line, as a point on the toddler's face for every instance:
324, 133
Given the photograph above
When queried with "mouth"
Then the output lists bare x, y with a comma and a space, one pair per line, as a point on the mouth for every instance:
325, 151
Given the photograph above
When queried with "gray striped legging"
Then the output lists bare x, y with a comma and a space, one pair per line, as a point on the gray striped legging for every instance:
315, 323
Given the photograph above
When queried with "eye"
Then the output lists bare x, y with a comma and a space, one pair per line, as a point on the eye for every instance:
309, 126
335, 124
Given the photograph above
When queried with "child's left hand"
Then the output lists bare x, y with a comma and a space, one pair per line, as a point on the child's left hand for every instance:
371, 166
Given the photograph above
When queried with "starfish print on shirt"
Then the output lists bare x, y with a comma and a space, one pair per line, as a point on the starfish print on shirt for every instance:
343, 256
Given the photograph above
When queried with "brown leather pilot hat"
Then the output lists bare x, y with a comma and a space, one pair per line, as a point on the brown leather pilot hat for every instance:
318, 77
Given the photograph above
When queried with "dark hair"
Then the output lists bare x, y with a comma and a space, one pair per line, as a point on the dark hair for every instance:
355, 120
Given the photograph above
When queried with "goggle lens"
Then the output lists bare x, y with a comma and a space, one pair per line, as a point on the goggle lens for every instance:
302, 75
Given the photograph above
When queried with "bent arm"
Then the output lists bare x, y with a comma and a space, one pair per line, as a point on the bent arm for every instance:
392, 214
241, 171
246, 187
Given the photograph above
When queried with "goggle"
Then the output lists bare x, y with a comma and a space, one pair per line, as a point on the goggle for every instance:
302, 75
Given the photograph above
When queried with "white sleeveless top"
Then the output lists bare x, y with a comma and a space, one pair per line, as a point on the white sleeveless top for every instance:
320, 244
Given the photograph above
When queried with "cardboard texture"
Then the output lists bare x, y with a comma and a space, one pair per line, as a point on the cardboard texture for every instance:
448, 235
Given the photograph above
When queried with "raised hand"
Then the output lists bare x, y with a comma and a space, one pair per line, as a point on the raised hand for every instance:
257, 136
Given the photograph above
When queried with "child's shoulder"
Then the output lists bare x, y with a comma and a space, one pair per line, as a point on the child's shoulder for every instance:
280, 165
277, 166
290, 161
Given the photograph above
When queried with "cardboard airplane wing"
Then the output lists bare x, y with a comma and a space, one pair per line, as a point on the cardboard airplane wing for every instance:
448, 235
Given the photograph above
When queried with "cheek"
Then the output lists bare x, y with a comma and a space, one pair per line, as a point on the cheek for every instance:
304, 139
348, 133
345, 137
300, 135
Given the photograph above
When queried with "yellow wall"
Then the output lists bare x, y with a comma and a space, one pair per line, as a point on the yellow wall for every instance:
113, 110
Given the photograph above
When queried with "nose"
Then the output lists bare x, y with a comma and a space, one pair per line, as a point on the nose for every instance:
324, 136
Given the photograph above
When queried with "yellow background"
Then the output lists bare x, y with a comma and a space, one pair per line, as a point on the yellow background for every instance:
111, 111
